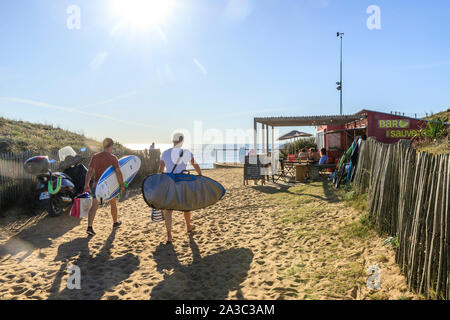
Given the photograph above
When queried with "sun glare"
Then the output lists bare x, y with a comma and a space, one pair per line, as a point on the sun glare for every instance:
142, 14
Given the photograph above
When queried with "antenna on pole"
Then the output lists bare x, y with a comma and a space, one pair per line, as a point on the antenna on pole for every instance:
339, 83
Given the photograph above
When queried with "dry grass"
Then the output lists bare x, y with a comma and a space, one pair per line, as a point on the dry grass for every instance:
442, 145
305, 203
337, 242
19, 136
441, 116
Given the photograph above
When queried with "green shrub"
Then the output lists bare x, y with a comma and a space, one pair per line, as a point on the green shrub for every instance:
434, 130
393, 241
349, 195
358, 229
291, 147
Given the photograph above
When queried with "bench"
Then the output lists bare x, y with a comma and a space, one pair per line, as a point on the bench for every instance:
316, 169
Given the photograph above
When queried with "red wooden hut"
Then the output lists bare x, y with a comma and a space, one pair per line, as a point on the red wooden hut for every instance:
336, 133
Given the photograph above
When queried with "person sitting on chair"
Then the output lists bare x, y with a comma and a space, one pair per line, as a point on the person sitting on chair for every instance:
323, 158
303, 155
314, 155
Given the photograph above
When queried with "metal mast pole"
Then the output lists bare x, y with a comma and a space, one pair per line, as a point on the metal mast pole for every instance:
339, 88
341, 74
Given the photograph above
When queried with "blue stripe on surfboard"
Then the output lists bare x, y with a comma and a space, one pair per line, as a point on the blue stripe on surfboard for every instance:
110, 170
115, 194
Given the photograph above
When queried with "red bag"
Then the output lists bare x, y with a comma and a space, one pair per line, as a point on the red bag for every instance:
81, 205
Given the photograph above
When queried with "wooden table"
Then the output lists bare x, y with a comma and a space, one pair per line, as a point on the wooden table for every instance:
301, 171
294, 170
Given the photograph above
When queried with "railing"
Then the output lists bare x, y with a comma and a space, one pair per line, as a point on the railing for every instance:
236, 151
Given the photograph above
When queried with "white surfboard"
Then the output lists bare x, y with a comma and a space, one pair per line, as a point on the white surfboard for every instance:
108, 186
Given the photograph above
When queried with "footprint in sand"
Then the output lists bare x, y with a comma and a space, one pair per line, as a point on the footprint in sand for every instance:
19, 290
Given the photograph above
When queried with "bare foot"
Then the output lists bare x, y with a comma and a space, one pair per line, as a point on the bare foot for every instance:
191, 229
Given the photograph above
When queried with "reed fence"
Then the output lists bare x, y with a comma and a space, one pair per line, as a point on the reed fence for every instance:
408, 198
19, 187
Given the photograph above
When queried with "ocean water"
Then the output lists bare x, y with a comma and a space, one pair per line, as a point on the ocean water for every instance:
207, 154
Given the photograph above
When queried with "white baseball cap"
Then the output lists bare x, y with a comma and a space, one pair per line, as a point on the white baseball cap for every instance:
177, 137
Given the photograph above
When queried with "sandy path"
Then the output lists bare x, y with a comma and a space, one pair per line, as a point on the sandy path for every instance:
240, 250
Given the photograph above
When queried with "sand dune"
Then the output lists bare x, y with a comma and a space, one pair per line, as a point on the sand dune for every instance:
238, 251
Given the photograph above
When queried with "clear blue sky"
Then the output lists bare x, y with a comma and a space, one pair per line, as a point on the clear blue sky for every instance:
221, 62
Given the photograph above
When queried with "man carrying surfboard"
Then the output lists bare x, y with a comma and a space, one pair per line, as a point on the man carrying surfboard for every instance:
98, 164
175, 160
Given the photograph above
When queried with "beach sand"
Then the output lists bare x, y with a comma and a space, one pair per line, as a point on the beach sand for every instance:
239, 250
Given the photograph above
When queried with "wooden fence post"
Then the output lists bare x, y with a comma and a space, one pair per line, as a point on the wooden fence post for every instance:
408, 197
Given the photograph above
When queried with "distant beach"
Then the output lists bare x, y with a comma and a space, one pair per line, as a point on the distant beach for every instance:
205, 154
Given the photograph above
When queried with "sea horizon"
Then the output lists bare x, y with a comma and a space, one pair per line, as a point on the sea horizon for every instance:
205, 154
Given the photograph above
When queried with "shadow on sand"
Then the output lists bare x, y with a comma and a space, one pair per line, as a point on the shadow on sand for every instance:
328, 189
98, 274
38, 236
210, 277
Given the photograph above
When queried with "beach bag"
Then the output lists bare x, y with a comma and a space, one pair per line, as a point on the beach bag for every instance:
81, 205
181, 192
157, 215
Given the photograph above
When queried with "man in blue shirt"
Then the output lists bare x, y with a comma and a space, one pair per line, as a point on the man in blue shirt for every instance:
323, 158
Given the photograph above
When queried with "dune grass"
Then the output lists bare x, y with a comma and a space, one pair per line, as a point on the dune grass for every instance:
335, 241
20, 136
440, 145
441, 116
303, 206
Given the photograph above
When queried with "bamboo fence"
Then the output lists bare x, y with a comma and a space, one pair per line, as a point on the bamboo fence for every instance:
16, 186
408, 198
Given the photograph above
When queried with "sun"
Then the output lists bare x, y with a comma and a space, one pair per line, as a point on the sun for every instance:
142, 14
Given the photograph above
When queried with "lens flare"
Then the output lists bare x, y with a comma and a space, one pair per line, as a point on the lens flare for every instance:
142, 14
